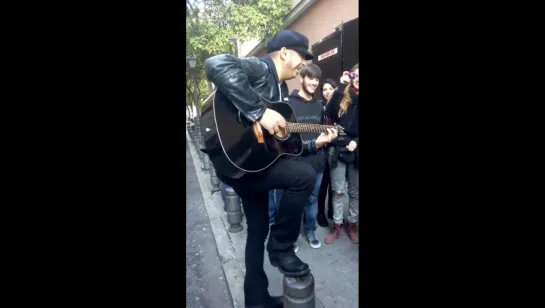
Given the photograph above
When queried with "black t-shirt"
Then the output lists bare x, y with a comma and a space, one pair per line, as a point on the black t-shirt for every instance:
311, 112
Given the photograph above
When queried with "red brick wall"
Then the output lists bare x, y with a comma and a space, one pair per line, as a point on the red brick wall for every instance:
319, 21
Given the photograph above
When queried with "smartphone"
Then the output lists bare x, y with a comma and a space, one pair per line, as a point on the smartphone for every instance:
351, 75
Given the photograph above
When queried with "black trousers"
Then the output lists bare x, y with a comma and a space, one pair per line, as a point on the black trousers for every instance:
297, 179
324, 187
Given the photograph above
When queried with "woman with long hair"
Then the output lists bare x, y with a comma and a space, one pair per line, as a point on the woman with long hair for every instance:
343, 154
328, 87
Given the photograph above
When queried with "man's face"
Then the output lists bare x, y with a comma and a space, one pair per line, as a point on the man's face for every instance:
356, 81
293, 62
327, 91
309, 84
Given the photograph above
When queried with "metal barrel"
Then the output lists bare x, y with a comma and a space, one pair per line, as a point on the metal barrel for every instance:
299, 292
234, 210
214, 180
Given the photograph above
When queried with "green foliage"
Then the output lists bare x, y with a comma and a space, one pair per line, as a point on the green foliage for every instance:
211, 23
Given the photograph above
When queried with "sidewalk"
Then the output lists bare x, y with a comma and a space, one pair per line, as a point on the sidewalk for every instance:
205, 275
334, 266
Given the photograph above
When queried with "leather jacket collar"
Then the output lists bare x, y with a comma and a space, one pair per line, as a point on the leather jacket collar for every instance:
283, 86
270, 64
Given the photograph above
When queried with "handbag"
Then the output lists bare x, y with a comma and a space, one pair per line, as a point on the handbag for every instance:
346, 156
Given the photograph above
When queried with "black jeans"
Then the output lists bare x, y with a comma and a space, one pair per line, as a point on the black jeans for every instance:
297, 179
324, 187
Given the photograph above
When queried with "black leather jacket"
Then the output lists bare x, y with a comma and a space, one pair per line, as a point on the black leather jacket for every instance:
236, 77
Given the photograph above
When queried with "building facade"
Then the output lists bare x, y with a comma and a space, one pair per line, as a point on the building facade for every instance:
314, 18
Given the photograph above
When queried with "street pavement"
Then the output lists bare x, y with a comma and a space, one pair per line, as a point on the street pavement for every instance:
334, 266
206, 282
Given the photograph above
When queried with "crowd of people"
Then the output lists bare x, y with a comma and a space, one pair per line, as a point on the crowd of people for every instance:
336, 165
294, 188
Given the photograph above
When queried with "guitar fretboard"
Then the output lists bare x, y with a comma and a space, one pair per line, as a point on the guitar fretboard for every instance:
307, 128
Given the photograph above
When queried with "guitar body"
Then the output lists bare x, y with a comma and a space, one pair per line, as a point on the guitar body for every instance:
231, 143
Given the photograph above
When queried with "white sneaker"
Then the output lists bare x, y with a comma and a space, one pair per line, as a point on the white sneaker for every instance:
313, 241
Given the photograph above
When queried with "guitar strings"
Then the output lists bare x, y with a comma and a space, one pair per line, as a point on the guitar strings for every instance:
303, 127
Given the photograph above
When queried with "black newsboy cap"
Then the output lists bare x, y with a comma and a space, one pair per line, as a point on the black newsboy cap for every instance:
291, 40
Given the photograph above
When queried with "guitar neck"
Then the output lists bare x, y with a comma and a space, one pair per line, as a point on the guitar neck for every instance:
307, 128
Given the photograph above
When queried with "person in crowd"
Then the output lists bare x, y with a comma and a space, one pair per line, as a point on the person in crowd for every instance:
272, 207
343, 154
328, 87
309, 109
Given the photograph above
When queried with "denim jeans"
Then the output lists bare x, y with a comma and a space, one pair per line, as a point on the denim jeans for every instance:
272, 206
340, 175
311, 207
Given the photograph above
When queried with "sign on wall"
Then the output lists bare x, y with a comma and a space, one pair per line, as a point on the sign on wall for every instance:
328, 54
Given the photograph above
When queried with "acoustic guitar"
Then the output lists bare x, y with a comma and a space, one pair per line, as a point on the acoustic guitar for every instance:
235, 145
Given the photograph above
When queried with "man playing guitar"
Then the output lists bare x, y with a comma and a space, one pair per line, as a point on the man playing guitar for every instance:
244, 81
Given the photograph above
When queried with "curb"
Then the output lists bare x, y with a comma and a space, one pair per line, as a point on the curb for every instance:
233, 269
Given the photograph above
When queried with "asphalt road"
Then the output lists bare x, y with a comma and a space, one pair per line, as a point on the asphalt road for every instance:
206, 283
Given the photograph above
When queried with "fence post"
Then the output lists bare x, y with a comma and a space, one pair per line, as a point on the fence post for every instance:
299, 292
214, 180
234, 210
205, 162
197, 141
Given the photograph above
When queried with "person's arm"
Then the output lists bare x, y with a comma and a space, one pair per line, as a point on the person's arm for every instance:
233, 76
309, 147
332, 107
316, 144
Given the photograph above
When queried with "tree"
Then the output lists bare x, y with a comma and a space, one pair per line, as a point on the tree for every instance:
211, 23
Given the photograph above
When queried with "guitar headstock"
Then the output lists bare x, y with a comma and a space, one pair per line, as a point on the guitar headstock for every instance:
340, 129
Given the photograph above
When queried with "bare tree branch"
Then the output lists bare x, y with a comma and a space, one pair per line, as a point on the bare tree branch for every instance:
195, 13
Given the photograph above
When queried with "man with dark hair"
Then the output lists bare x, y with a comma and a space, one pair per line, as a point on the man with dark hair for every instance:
308, 109
244, 82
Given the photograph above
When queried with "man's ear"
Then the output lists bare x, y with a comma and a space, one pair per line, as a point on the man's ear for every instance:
301, 78
283, 53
